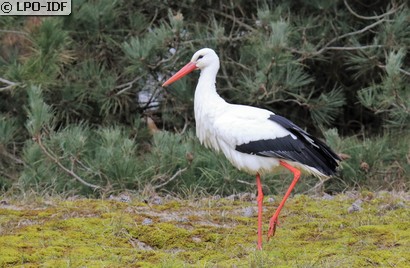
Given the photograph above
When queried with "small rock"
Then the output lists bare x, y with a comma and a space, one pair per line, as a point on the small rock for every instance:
248, 212
400, 205
196, 239
124, 198
121, 198
232, 197
157, 200
172, 50
73, 197
353, 208
143, 246
4, 203
140, 245
327, 197
271, 200
351, 194
147, 221
356, 206
247, 197
183, 219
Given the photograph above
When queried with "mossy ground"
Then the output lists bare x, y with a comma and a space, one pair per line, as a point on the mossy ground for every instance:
313, 232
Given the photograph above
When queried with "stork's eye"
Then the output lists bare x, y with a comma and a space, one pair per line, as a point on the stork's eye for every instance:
200, 57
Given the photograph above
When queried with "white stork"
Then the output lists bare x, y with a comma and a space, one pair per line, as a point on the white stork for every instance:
254, 140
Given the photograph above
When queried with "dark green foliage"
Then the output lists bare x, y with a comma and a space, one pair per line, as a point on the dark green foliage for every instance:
372, 163
71, 118
38, 112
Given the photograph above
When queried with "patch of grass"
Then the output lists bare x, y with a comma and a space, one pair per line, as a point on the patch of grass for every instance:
313, 232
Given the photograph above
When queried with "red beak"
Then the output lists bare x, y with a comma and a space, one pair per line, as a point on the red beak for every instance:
181, 73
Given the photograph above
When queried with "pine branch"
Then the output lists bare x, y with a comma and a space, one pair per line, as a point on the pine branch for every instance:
223, 68
225, 39
66, 170
14, 32
337, 38
4, 152
250, 28
185, 127
404, 71
127, 86
355, 48
400, 69
391, 11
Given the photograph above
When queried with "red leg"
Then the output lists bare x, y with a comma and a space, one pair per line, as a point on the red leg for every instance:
260, 204
274, 220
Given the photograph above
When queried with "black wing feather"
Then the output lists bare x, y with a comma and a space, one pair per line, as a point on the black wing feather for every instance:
305, 149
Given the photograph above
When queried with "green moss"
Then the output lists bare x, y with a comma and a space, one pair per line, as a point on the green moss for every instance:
311, 233
170, 205
161, 235
9, 255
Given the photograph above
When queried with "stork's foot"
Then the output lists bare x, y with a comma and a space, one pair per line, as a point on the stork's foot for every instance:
274, 221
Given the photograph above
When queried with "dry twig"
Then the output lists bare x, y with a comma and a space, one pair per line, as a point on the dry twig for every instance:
170, 179
9, 83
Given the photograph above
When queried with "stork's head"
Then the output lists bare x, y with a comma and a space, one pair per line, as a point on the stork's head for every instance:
202, 59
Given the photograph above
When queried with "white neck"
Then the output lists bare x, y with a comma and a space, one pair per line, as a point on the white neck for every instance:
207, 104
206, 96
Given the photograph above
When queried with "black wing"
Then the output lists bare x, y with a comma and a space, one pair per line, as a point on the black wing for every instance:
305, 149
